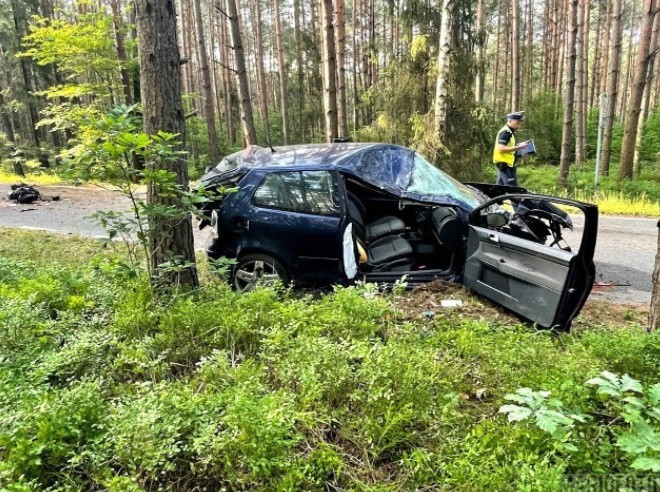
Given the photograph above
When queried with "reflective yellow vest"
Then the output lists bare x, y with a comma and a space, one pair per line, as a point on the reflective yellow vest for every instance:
508, 157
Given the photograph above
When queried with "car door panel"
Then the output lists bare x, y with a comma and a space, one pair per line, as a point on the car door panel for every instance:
546, 285
510, 269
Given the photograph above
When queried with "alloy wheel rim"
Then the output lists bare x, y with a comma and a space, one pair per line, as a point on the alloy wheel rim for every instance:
255, 272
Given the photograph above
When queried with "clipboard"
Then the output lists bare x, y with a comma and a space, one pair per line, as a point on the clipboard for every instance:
530, 149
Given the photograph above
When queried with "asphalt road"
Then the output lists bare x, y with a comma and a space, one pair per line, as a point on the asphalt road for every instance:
625, 249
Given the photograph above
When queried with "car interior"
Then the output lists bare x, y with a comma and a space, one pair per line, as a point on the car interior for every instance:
397, 236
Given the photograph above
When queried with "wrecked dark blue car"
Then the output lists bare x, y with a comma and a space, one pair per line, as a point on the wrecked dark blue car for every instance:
335, 213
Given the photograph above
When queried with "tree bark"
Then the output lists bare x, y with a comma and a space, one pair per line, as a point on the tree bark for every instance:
117, 23
515, 55
443, 71
300, 69
163, 111
637, 92
207, 88
329, 72
247, 120
612, 87
340, 21
480, 82
261, 72
595, 78
284, 106
650, 76
580, 75
654, 312
569, 95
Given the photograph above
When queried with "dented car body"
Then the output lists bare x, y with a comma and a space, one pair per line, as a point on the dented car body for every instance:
336, 213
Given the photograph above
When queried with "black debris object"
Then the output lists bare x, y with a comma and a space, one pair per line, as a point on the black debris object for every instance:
23, 193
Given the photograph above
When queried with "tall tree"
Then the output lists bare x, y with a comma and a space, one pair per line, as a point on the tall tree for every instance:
580, 77
637, 92
480, 82
162, 109
207, 88
342, 112
329, 72
262, 85
569, 94
117, 24
247, 120
515, 55
284, 103
646, 99
612, 86
441, 85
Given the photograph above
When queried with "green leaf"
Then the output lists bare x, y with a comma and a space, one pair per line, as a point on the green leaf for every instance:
632, 443
654, 394
515, 413
630, 384
646, 463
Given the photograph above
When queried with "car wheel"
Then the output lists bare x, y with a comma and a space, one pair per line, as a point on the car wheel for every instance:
252, 270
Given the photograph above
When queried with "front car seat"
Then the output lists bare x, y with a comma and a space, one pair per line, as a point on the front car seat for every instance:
385, 226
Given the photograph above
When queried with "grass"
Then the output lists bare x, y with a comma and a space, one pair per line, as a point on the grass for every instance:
104, 386
30, 178
636, 197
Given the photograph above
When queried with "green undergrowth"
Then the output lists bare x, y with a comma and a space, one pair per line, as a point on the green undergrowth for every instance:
640, 196
104, 387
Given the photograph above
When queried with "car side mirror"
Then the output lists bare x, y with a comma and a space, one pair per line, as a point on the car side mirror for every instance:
496, 219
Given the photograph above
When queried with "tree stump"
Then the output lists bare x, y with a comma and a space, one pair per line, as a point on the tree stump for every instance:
654, 312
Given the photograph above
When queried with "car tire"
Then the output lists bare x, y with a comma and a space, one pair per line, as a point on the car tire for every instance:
253, 269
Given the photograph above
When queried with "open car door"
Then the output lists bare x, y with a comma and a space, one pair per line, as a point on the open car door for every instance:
518, 257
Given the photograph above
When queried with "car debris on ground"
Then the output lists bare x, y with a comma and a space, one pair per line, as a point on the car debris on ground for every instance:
24, 194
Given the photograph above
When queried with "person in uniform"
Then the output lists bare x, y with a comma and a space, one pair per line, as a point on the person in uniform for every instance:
504, 153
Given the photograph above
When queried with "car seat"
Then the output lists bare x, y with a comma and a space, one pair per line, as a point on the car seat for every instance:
375, 230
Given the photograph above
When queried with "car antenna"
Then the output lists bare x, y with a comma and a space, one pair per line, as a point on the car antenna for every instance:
272, 149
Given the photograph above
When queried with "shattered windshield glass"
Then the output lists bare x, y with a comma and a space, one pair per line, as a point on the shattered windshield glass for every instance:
426, 179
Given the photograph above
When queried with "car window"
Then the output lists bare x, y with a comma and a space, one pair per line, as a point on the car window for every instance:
312, 192
426, 179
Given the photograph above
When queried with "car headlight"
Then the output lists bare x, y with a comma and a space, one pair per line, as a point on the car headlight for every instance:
215, 221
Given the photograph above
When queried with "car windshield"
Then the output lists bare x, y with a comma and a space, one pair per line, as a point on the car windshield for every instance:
426, 179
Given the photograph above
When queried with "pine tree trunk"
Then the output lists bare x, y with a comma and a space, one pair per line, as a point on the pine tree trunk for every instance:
630, 63
262, 87
300, 68
654, 312
515, 55
207, 89
356, 99
569, 94
496, 73
529, 54
329, 72
340, 20
443, 69
117, 23
282, 71
612, 87
579, 85
163, 111
595, 78
247, 120
480, 82
650, 76
637, 91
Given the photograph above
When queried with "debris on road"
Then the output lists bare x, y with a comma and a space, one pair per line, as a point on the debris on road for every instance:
451, 303
23, 193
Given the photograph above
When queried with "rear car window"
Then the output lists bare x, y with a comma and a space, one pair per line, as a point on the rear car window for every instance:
312, 192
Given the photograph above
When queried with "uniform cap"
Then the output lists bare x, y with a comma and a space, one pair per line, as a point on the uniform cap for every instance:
517, 115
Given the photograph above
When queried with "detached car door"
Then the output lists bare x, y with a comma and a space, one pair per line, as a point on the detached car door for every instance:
515, 259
